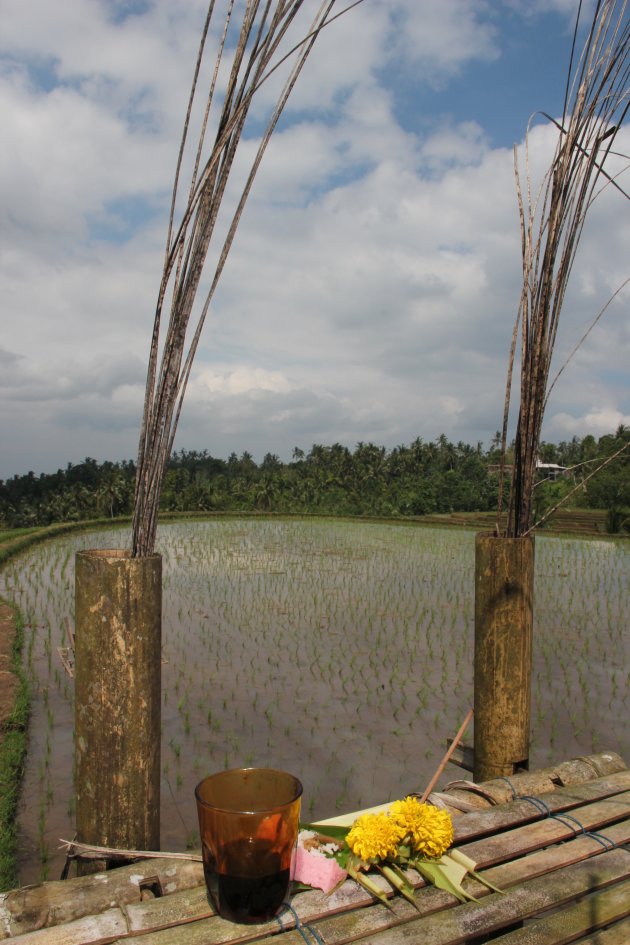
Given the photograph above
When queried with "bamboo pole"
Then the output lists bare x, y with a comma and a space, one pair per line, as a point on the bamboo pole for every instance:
117, 699
504, 577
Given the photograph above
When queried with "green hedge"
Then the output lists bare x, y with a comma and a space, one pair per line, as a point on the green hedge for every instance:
12, 758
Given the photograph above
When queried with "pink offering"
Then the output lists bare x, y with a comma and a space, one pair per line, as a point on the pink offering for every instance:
312, 866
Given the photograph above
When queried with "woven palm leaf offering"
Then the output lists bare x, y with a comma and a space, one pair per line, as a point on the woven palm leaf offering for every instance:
409, 835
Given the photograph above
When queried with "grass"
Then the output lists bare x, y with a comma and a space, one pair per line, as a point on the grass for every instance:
15, 540
585, 522
8, 534
12, 758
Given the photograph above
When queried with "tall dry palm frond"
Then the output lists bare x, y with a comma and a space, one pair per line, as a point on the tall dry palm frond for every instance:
249, 49
595, 107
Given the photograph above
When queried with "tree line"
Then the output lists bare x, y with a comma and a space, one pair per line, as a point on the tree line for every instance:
417, 479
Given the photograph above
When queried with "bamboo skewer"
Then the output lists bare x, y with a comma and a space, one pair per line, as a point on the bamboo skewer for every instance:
72, 848
447, 756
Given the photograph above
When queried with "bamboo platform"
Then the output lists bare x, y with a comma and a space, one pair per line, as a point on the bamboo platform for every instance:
555, 841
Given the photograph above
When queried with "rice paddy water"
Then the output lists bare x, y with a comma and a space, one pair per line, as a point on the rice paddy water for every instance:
339, 650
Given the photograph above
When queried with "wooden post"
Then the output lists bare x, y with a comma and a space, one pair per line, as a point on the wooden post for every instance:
118, 619
504, 580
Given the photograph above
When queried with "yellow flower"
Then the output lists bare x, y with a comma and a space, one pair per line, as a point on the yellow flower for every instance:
427, 829
374, 836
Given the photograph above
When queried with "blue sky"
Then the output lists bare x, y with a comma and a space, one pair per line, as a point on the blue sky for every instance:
524, 70
371, 290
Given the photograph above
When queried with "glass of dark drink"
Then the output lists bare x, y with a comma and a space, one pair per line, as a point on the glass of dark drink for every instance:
248, 823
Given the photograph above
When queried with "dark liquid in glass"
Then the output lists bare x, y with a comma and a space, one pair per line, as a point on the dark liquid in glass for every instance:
253, 886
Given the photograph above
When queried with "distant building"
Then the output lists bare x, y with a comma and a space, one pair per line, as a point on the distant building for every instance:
551, 470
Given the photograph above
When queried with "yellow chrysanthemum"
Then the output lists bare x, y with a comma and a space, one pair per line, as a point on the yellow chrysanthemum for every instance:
428, 830
374, 836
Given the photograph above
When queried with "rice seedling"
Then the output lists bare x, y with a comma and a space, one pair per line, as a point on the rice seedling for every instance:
371, 669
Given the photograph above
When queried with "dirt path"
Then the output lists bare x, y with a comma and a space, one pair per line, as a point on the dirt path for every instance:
8, 680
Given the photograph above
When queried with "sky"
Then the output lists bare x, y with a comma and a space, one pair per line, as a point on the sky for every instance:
372, 287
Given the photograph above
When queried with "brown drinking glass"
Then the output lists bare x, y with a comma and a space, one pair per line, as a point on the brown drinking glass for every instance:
248, 824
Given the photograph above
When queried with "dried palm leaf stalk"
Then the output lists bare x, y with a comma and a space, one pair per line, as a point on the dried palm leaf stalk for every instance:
552, 222
249, 48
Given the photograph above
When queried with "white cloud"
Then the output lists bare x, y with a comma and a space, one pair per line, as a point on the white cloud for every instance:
64, 157
438, 39
599, 421
240, 380
372, 286
566, 8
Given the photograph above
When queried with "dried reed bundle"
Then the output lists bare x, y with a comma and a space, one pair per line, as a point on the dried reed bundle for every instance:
259, 32
596, 104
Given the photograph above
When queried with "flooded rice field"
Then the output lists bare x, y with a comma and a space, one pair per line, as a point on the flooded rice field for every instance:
341, 651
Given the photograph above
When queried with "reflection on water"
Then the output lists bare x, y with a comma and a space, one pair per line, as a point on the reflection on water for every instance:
341, 651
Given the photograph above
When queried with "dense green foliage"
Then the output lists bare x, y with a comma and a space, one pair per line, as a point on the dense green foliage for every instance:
418, 479
12, 754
